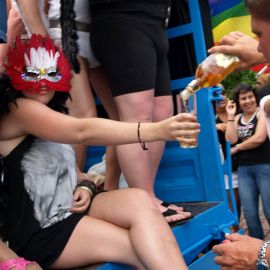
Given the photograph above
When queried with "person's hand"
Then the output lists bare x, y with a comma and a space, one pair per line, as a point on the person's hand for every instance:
179, 126
221, 126
238, 254
231, 109
81, 200
243, 46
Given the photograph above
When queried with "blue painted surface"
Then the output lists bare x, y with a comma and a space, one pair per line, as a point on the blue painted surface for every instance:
193, 175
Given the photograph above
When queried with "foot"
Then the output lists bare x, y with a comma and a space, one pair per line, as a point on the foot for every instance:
174, 218
178, 209
173, 214
162, 205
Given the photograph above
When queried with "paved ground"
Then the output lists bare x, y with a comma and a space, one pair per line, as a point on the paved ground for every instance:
264, 223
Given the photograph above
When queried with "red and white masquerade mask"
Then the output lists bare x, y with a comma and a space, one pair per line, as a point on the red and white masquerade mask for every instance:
38, 64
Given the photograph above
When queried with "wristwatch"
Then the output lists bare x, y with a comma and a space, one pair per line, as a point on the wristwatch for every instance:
262, 263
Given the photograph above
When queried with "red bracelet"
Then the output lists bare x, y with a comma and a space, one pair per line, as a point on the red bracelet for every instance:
19, 263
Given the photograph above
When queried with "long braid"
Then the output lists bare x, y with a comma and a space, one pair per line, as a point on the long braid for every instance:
69, 33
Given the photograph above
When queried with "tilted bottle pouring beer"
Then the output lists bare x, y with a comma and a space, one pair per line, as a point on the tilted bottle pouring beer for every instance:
211, 72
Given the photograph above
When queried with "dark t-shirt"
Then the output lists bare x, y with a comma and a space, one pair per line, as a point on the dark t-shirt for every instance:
258, 155
222, 141
39, 177
150, 11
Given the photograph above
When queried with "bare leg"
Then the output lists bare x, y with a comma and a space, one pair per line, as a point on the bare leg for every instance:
103, 91
150, 235
94, 241
81, 105
139, 166
122, 229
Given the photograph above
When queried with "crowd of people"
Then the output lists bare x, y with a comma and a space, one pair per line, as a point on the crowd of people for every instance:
126, 66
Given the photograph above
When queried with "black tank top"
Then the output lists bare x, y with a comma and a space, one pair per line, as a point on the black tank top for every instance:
258, 155
40, 177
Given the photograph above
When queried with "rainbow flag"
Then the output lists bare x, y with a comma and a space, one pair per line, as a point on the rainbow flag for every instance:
228, 16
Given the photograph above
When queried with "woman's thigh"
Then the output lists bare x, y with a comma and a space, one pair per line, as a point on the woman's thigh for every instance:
125, 207
94, 241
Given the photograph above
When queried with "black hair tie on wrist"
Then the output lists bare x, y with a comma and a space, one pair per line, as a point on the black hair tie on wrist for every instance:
139, 137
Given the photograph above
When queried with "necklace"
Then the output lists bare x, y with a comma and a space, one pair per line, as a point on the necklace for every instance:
246, 119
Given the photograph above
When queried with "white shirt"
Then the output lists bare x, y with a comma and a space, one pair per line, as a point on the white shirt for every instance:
267, 116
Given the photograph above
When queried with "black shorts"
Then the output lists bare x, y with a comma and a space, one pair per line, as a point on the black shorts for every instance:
47, 245
133, 55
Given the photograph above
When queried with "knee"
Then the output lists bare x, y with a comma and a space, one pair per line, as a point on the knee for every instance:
141, 200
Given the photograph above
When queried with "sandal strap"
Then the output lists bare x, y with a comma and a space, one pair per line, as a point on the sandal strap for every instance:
19, 263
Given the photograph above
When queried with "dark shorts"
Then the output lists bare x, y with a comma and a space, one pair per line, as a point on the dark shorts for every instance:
48, 244
133, 55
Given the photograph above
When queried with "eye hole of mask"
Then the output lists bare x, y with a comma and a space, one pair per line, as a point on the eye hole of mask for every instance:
52, 72
31, 74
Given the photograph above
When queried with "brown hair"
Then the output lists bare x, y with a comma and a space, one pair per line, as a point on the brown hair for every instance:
259, 8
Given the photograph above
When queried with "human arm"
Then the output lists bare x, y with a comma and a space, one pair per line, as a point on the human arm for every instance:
243, 46
31, 15
256, 139
221, 127
231, 131
7, 254
265, 104
239, 254
15, 25
32, 117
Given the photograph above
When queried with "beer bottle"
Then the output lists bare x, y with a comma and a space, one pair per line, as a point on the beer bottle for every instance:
211, 72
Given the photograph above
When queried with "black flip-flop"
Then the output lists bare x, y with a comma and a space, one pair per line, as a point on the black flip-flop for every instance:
171, 212
165, 204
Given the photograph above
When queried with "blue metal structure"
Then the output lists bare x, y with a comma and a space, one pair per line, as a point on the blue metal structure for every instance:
194, 177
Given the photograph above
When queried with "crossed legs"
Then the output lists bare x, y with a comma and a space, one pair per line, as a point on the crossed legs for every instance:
124, 226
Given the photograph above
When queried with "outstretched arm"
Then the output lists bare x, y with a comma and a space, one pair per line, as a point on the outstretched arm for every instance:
243, 46
32, 117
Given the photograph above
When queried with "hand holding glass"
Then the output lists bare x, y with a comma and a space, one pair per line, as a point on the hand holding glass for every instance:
188, 105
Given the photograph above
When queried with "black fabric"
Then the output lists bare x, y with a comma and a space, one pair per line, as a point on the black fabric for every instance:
47, 245
222, 141
258, 155
134, 55
147, 11
39, 180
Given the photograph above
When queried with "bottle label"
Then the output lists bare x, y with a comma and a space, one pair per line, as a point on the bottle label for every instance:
225, 60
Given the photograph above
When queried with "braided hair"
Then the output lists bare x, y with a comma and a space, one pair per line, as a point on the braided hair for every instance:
69, 39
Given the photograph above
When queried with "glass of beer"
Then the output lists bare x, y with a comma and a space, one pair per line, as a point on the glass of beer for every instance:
188, 105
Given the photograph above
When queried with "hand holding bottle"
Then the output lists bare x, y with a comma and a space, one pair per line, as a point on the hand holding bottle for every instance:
211, 72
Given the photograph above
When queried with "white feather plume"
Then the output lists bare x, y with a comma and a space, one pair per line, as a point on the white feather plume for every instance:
41, 58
